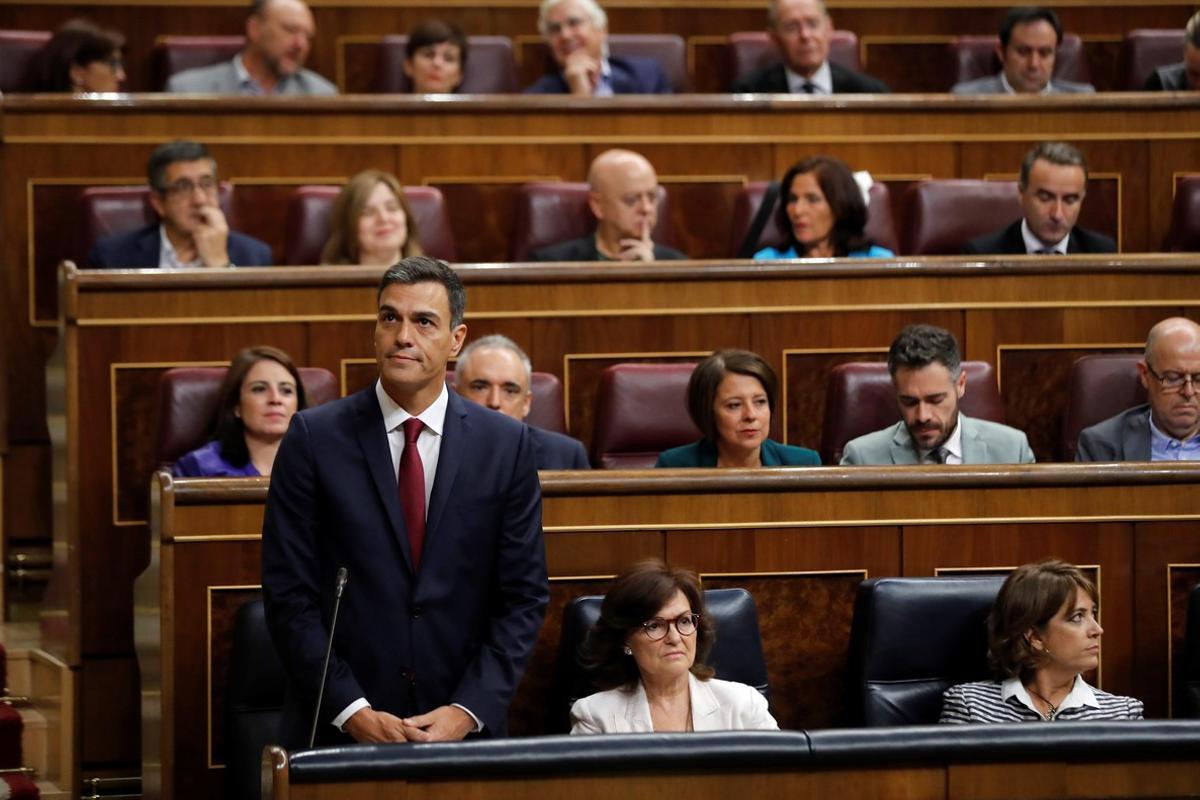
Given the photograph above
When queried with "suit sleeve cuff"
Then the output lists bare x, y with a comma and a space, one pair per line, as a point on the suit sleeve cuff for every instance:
352, 709
471, 714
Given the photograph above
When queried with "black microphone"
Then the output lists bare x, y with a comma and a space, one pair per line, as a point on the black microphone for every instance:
337, 602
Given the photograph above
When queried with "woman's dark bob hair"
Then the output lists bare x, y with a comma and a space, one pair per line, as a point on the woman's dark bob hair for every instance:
707, 377
635, 596
845, 201
436, 31
228, 429
77, 42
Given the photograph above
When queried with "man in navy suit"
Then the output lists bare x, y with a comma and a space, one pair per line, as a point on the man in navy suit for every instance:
432, 504
191, 231
577, 34
494, 372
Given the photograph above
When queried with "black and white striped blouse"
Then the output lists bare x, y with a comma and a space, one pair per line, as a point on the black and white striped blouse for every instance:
1008, 701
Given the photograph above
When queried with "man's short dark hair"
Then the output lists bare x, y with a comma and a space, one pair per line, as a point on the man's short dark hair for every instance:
1060, 153
422, 269
170, 153
919, 346
1023, 15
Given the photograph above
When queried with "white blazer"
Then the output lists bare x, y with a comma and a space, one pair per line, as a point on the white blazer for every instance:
716, 706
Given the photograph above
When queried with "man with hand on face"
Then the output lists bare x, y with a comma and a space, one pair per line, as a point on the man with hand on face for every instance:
495, 373
1029, 40
1168, 427
577, 33
279, 35
623, 197
1052, 186
432, 504
191, 231
929, 381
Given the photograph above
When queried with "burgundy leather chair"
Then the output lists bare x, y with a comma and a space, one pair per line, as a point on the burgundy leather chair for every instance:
975, 57
546, 411
172, 54
943, 215
859, 399
1101, 386
306, 226
491, 68
1184, 235
17, 51
880, 226
1145, 50
118, 209
550, 212
641, 410
667, 49
187, 405
751, 50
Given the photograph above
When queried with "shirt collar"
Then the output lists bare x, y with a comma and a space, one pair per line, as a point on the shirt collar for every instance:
394, 416
1080, 695
822, 80
1161, 444
1008, 87
604, 87
168, 258
953, 444
247, 84
1034, 244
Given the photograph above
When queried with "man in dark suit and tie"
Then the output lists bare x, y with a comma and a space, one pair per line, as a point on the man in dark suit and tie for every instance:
802, 30
1052, 186
432, 504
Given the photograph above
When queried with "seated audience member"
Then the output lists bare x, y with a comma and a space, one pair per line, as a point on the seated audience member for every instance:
1043, 632
1185, 75
929, 381
494, 372
647, 652
824, 211
260, 393
435, 57
370, 223
1052, 186
623, 196
731, 396
1168, 427
802, 29
191, 231
279, 35
1029, 40
577, 33
80, 57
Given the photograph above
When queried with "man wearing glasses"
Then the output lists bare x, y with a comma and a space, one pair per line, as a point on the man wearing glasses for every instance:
191, 230
1166, 428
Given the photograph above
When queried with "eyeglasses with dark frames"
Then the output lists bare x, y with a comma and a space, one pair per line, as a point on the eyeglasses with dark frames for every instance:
685, 625
1174, 381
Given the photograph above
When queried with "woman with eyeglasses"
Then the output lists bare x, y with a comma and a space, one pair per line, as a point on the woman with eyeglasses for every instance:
647, 651
81, 57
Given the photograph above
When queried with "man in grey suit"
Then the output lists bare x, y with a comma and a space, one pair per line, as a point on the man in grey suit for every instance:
1185, 75
1029, 40
927, 375
1168, 427
279, 35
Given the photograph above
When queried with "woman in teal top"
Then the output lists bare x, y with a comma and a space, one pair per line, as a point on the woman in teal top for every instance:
730, 397
824, 213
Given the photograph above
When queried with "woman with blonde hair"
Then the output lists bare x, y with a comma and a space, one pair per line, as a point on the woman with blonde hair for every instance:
371, 223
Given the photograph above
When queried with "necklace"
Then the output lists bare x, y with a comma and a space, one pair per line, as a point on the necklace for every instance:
1051, 708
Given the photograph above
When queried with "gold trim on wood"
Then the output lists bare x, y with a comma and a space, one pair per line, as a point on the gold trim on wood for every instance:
208, 666
342, 363
566, 379
1000, 348
922, 522
810, 351
1170, 660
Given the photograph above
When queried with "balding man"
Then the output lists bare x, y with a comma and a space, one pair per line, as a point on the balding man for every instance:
494, 372
1168, 427
279, 35
623, 196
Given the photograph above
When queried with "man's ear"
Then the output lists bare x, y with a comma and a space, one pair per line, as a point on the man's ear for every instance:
960, 386
457, 337
156, 202
594, 205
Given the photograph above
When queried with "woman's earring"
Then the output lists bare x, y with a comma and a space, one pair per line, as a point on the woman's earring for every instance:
628, 650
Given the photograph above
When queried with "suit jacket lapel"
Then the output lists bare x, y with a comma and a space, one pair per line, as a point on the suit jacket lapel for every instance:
974, 446
455, 429
903, 451
1014, 242
637, 711
1136, 438
372, 438
149, 245
704, 706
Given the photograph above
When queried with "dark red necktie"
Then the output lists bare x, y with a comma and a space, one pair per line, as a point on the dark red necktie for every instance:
412, 489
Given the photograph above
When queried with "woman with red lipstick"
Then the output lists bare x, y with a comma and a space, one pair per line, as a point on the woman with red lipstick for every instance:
1043, 633
260, 393
371, 223
435, 57
647, 652
731, 396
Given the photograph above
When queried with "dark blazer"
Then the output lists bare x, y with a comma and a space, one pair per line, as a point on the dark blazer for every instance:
703, 453
584, 249
139, 250
553, 450
1009, 242
1171, 78
630, 75
773, 80
459, 630
1125, 437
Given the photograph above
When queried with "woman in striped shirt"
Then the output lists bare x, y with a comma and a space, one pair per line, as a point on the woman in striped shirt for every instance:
1043, 632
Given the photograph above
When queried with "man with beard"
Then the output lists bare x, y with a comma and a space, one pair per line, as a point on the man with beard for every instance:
929, 381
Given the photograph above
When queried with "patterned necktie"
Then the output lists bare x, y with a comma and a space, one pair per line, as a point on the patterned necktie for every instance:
412, 489
939, 456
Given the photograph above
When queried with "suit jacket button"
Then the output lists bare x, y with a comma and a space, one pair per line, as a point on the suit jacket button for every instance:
417, 611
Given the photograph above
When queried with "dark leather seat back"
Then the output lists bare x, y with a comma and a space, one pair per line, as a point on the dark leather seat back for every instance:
737, 653
254, 699
306, 226
860, 398
109, 210
975, 57
17, 52
549, 212
1145, 50
641, 410
1191, 658
491, 68
911, 639
187, 405
174, 54
880, 225
1101, 386
1184, 236
943, 215
752, 50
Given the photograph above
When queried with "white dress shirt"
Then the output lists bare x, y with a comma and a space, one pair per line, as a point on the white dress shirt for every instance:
1034, 245
168, 258
953, 447
822, 80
